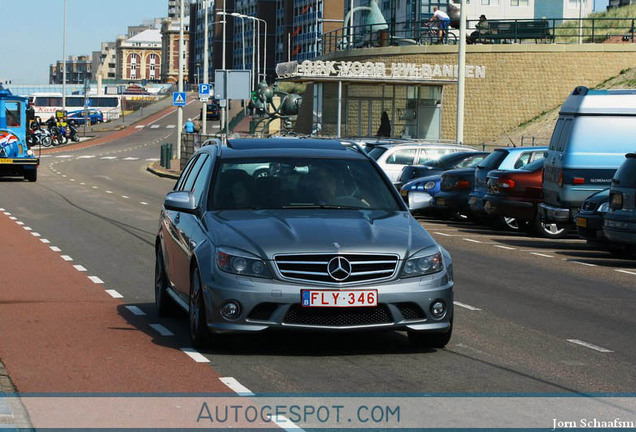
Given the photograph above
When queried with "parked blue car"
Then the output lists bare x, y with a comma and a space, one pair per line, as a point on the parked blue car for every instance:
94, 116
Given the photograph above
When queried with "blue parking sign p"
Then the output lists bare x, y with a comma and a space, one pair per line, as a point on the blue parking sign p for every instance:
178, 99
204, 89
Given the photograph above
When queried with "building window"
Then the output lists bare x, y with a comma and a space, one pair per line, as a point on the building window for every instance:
490, 2
519, 2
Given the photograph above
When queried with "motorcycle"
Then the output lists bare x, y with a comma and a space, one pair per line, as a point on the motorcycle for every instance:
38, 136
72, 132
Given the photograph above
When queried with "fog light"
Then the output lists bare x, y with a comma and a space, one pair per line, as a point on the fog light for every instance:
231, 310
438, 309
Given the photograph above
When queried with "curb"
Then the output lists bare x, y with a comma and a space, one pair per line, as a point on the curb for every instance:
159, 171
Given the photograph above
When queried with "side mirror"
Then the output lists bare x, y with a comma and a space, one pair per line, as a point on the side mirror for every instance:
180, 201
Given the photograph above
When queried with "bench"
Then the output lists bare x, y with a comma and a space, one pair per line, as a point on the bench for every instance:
500, 31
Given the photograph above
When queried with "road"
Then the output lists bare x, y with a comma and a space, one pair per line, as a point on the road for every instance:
532, 315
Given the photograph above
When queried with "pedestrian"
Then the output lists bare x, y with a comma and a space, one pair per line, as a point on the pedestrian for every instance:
444, 21
385, 126
197, 125
189, 127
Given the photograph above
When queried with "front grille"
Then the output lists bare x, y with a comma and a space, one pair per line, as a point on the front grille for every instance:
315, 268
411, 311
338, 317
262, 311
590, 206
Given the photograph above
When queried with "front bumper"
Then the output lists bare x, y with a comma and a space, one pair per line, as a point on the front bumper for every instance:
403, 304
589, 226
554, 214
419, 200
451, 201
497, 205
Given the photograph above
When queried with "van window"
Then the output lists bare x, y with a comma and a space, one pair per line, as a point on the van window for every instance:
565, 134
603, 134
625, 177
556, 134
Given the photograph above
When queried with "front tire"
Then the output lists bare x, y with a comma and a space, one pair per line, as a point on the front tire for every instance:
163, 302
31, 175
548, 230
430, 340
200, 336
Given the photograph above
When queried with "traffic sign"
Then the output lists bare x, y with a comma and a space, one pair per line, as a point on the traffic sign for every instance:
178, 99
204, 89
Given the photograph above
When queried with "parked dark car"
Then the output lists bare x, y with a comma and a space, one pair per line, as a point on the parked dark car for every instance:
213, 112
500, 159
619, 224
455, 186
517, 194
445, 163
589, 219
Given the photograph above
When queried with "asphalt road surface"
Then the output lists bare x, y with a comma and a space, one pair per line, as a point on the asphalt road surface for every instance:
532, 315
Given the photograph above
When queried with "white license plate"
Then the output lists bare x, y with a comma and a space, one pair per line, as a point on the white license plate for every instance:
337, 298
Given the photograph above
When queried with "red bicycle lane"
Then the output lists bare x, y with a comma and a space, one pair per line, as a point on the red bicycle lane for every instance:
61, 332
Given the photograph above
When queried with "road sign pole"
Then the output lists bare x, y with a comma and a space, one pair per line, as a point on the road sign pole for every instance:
206, 77
180, 84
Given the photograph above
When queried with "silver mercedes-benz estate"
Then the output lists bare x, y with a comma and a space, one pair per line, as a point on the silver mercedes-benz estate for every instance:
297, 234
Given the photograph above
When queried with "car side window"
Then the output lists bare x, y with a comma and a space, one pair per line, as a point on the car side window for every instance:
202, 179
537, 155
402, 157
524, 159
185, 174
188, 185
470, 161
423, 157
565, 134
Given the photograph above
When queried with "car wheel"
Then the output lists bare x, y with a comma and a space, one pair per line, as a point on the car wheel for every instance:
548, 230
164, 304
430, 340
511, 223
200, 336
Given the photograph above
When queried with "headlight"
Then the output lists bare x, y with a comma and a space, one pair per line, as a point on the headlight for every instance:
241, 264
30, 152
429, 185
421, 264
603, 208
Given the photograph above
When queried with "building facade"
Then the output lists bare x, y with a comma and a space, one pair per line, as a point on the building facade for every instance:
253, 39
78, 70
169, 42
140, 57
301, 24
105, 61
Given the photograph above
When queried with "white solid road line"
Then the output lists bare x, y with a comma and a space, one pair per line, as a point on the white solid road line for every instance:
79, 268
67, 258
114, 294
195, 355
590, 346
584, 263
443, 234
625, 271
465, 306
236, 386
542, 255
161, 330
96, 280
136, 311
505, 247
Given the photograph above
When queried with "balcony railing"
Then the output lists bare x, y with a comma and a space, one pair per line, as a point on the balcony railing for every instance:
555, 31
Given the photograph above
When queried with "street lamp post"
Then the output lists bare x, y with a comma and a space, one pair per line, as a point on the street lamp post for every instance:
180, 81
206, 66
64, 62
242, 17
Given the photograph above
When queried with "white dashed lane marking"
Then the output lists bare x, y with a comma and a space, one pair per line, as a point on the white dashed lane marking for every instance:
79, 268
96, 280
542, 255
135, 311
236, 386
505, 247
443, 234
465, 306
195, 355
114, 294
108, 157
161, 330
590, 346
130, 159
170, 126
67, 258
626, 272
55, 249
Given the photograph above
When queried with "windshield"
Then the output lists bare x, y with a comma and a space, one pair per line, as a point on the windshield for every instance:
534, 166
376, 152
493, 160
284, 183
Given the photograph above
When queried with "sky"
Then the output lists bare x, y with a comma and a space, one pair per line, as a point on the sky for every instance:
32, 33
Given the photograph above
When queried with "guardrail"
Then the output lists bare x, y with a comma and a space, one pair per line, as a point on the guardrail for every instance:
553, 30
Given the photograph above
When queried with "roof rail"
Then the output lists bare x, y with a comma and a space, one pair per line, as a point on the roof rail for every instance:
215, 142
352, 146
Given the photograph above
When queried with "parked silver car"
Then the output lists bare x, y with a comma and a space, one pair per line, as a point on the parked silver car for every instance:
322, 242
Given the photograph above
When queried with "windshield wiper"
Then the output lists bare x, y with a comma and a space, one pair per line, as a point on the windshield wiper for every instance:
321, 206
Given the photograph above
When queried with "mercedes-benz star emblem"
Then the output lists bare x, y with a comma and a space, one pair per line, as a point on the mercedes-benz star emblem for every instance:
339, 268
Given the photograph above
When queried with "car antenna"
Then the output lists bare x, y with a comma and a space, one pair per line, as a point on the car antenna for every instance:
510, 139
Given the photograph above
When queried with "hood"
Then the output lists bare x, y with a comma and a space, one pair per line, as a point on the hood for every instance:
422, 180
266, 233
